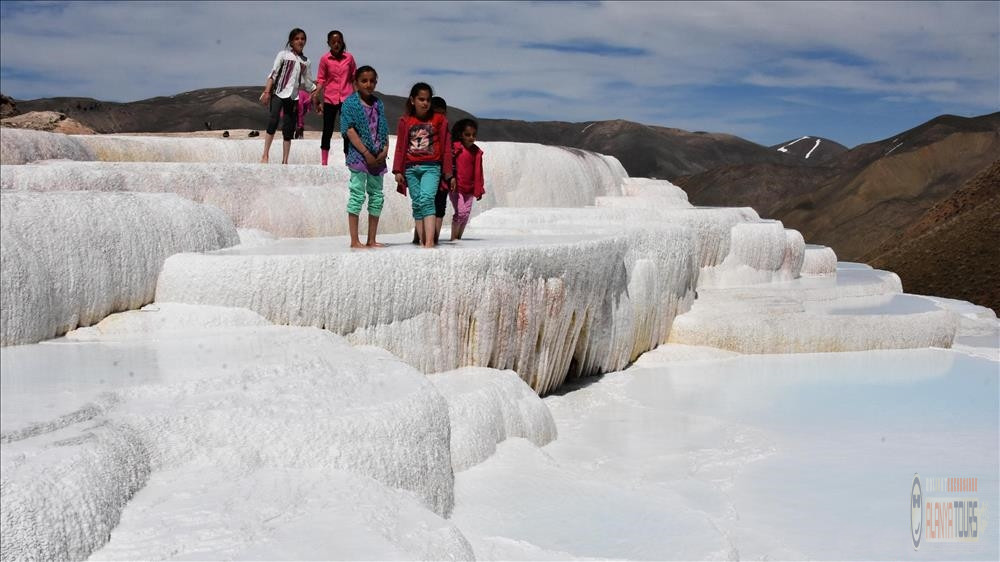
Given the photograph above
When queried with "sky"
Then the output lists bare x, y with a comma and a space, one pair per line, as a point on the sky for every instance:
765, 71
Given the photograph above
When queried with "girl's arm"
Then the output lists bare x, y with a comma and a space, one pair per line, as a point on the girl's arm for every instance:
479, 187
305, 80
401, 140
265, 98
352, 69
447, 160
321, 79
358, 145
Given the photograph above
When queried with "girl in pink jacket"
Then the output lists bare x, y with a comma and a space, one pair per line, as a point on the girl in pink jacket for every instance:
469, 182
335, 82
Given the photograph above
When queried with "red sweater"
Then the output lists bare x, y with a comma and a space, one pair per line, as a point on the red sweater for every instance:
423, 142
469, 169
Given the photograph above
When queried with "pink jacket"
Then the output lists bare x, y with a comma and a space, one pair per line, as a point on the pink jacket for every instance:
337, 76
469, 169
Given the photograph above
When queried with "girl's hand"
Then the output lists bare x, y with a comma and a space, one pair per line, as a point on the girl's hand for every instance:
265, 98
453, 184
399, 179
370, 159
319, 107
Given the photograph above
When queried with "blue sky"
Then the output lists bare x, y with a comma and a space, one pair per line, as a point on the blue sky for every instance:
768, 72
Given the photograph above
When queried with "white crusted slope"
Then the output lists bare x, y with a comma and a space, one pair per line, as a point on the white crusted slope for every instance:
856, 310
818, 261
20, 146
759, 252
544, 306
487, 407
221, 441
709, 228
303, 200
71, 258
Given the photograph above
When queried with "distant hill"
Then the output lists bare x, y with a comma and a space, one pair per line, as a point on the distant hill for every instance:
225, 108
862, 199
648, 151
810, 150
953, 249
645, 151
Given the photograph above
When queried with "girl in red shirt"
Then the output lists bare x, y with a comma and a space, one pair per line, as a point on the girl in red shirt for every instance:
423, 157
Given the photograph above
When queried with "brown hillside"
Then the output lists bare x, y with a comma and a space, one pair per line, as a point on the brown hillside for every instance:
225, 108
858, 199
953, 250
644, 151
859, 209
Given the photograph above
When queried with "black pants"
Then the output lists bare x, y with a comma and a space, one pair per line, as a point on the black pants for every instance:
290, 107
440, 203
330, 111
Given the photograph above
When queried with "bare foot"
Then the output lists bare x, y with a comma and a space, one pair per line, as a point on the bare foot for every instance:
375, 245
358, 246
263, 160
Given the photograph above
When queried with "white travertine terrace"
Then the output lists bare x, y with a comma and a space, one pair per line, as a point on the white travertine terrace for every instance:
544, 306
228, 395
20, 146
71, 258
294, 200
194, 428
810, 315
281, 399
486, 407
819, 261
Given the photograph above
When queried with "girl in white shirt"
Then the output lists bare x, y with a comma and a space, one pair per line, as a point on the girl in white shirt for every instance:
289, 73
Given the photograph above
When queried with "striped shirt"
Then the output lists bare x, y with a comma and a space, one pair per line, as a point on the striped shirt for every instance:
290, 73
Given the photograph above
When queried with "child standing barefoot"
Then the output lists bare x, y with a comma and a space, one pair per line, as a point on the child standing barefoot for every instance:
362, 122
468, 174
422, 156
438, 105
335, 81
289, 73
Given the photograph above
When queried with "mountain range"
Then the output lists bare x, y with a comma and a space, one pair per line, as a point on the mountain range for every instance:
923, 202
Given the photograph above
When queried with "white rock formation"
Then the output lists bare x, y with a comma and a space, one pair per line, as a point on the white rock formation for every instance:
759, 252
814, 315
819, 261
188, 429
544, 306
20, 146
70, 259
167, 319
486, 407
231, 410
298, 200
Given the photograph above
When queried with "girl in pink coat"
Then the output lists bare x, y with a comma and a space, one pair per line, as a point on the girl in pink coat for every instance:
469, 184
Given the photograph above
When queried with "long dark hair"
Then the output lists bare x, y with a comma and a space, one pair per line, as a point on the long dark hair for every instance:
292, 34
416, 89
